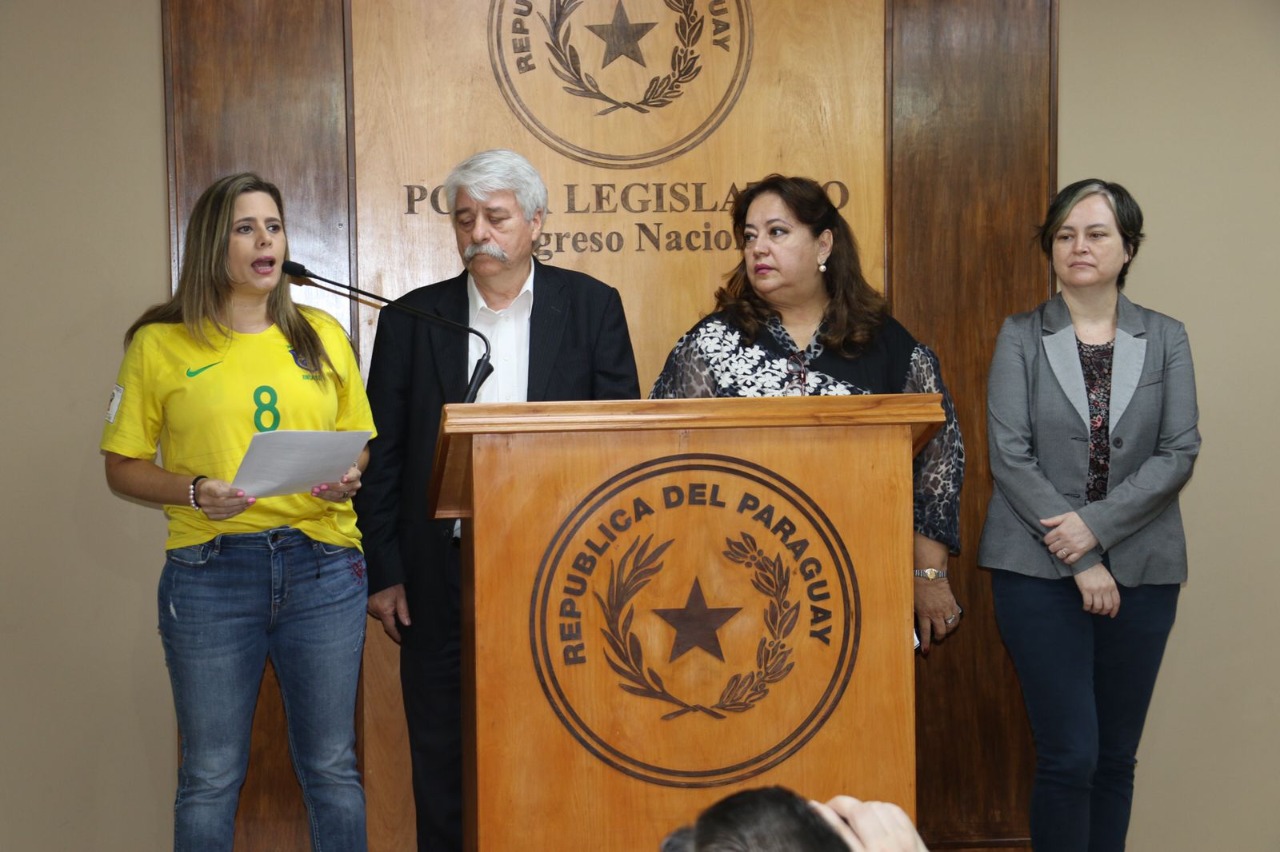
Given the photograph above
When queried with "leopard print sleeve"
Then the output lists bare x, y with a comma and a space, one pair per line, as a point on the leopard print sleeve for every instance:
687, 374
938, 469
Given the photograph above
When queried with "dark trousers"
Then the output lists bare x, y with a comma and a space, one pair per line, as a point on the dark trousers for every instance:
1087, 681
431, 680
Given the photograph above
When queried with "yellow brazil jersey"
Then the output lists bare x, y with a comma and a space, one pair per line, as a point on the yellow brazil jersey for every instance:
199, 405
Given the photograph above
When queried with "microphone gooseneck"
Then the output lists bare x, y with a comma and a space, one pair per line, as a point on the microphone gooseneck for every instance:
297, 270
483, 367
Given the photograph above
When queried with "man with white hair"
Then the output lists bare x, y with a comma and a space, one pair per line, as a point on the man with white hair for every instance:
556, 335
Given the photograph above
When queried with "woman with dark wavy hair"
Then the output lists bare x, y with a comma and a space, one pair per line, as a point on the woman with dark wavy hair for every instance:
246, 579
797, 318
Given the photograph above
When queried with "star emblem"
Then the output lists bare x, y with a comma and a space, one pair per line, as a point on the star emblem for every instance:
696, 624
621, 37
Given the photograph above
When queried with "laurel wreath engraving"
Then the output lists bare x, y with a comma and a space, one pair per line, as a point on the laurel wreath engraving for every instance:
773, 658
743, 690
661, 91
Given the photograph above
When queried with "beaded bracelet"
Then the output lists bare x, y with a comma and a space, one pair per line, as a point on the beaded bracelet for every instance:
191, 492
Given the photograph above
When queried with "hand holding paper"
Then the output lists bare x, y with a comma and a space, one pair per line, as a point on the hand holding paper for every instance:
342, 490
294, 462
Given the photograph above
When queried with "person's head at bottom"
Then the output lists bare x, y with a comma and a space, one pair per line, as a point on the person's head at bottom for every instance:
775, 819
760, 820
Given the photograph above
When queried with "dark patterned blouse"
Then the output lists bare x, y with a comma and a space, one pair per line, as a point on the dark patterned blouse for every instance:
1095, 361
711, 360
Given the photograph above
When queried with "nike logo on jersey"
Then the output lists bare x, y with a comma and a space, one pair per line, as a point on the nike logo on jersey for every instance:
191, 374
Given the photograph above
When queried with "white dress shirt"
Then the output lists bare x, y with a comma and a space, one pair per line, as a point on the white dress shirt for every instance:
508, 333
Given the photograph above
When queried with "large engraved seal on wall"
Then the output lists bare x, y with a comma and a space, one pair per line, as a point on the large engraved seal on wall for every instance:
621, 83
694, 620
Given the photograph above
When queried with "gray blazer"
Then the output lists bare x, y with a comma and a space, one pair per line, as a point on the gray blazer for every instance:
1038, 436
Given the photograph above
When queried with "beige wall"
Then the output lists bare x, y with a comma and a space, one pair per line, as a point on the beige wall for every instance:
1174, 102
86, 724
1177, 101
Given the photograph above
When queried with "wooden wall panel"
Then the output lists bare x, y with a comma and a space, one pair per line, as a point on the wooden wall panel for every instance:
260, 85
812, 103
971, 169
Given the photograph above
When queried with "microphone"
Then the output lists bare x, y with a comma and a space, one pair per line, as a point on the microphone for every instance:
483, 366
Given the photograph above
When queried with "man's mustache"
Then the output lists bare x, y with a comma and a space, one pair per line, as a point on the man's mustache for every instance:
487, 249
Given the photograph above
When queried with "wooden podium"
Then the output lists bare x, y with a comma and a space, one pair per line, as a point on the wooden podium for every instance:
667, 601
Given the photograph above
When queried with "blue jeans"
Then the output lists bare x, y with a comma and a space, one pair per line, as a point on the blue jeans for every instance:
1087, 681
225, 606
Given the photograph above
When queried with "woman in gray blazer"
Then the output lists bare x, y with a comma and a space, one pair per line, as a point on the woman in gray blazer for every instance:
1091, 413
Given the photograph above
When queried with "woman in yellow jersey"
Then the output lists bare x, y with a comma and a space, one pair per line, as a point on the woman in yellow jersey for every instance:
230, 355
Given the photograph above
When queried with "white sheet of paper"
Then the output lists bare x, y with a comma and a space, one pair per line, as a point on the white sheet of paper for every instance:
288, 462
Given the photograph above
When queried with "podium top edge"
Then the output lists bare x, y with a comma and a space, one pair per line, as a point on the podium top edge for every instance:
637, 415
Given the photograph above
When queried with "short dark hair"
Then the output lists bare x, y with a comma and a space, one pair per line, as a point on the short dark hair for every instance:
856, 310
1126, 210
765, 819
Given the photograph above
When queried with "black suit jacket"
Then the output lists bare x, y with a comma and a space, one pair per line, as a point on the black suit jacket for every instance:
580, 349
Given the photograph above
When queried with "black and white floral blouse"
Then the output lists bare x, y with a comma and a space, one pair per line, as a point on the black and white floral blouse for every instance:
711, 360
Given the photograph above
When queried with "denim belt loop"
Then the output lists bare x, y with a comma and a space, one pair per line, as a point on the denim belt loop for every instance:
277, 538
280, 537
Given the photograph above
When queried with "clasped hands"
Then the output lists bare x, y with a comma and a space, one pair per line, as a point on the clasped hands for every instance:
1070, 538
